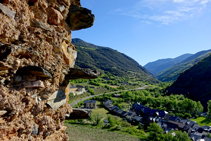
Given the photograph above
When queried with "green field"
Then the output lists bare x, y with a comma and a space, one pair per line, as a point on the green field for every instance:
202, 121
78, 132
100, 109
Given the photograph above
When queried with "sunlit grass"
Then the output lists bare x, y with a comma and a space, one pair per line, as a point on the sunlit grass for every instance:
202, 121
100, 109
78, 132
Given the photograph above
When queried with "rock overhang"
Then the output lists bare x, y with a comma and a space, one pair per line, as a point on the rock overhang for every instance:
36, 58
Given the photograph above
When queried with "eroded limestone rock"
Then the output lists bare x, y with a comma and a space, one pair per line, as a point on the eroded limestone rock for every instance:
4, 66
57, 99
34, 70
70, 55
79, 17
7, 11
35, 55
79, 114
81, 74
2, 112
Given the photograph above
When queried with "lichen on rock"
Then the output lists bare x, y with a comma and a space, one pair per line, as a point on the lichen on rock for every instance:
36, 61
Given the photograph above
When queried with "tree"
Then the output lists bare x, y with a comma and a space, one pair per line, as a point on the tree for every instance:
97, 118
111, 121
91, 91
176, 136
199, 108
155, 132
179, 136
209, 109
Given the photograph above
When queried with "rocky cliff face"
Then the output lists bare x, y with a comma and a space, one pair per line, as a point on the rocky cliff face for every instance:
36, 55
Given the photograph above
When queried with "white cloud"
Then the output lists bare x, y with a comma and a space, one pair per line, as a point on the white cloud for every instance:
203, 2
178, 0
165, 11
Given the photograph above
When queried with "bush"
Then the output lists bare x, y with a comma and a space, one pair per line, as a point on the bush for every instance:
209, 135
187, 115
71, 95
125, 124
196, 116
94, 83
111, 122
179, 114
140, 126
122, 88
91, 91
96, 118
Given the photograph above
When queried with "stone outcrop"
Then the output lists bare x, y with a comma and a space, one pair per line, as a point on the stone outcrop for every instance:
81, 73
36, 61
80, 17
79, 114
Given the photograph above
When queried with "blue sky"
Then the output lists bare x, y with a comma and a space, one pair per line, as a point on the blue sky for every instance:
147, 30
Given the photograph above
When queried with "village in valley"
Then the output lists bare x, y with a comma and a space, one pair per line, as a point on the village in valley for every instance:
122, 105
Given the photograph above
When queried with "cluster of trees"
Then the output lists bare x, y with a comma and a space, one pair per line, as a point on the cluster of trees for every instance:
108, 79
154, 98
72, 82
180, 105
94, 83
156, 134
104, 81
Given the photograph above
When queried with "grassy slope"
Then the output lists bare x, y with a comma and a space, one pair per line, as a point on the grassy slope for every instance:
99, 109
202, 121
79, 132
83, 133
107, 59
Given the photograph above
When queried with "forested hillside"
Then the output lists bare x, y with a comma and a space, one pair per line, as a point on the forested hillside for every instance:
195, 82
173, 72
107, 59
162, 64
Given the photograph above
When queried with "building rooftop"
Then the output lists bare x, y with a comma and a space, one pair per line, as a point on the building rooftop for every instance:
90, 101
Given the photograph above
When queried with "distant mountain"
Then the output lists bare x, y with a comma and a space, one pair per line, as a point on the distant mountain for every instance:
195, 82
162, 64
173, 72
107, 59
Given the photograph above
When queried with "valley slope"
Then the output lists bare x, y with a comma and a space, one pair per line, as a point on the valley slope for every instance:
195, 82
107, 59
162, 64
173, 72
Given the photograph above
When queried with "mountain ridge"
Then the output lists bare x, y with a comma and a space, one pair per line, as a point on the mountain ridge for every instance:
171, 73
108, 59
159, 65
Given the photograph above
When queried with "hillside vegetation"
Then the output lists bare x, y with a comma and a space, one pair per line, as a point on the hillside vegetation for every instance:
173, 72
195, 82
107, 59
